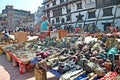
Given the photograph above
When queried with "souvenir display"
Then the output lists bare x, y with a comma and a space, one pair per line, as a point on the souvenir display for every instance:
71, 57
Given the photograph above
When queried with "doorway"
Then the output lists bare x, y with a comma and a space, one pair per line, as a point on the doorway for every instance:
106, 26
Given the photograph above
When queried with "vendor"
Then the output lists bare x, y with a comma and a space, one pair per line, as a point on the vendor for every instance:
5, 37
32, 29
45, 27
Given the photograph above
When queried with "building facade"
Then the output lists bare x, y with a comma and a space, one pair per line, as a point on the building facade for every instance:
3, 21
27, 21
15, 16
83, 13
38, 15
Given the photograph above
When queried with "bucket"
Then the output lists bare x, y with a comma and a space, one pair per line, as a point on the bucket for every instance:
40, 74
9, 58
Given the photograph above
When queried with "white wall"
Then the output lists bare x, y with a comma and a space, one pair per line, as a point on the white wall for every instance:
73, 7
84, 13
118, 11
117, 22
63, 10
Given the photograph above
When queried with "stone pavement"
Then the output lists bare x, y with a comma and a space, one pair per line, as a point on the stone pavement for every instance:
8, 72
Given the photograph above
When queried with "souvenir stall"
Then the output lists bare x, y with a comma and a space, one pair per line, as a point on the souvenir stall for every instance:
68, 57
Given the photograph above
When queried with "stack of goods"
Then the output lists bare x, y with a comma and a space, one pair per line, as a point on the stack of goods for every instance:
93, 60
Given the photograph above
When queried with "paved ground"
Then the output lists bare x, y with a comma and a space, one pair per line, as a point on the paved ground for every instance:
8, 72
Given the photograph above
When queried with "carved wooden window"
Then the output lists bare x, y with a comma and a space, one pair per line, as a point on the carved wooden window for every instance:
79, 17
79, 5
62, 20
107, 12
61, 1
57, 12
68, 17
53, 22
105, 3
57, 19
54, 2
91, 14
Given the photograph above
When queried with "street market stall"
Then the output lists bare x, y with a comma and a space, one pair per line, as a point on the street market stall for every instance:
69, 57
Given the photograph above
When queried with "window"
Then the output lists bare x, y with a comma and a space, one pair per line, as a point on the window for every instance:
79, 5
107, 12
57, 20
105, 3
91, 14
57, 12
68, 10
79, 17
47, 5
53, 22
68, 17
63, 20
54, 2
88, 1
61, 1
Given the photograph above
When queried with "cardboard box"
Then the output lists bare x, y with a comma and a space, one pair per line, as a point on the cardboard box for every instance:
63, 33
21, 36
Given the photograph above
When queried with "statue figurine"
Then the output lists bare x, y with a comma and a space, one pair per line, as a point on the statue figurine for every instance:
99, 36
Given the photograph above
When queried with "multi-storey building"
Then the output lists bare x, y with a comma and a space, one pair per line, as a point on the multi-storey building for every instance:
14, 16
3, 21
27, 21
38, 15
82, 13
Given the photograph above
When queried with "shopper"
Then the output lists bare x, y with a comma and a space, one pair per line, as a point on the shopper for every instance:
32, 29
45, 27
